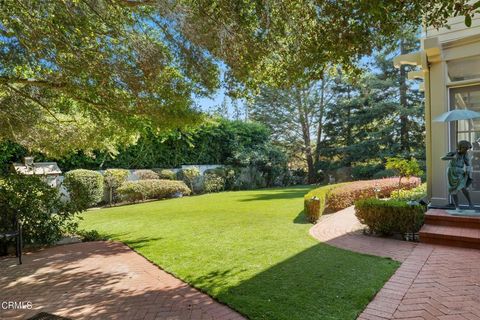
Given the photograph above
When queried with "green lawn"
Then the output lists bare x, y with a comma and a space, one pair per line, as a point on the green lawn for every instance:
250, 250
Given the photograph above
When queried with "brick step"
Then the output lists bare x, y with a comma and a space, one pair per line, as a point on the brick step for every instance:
450, 236
442, 218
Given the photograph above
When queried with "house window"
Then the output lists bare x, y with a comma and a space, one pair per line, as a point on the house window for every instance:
468, 98
464, 69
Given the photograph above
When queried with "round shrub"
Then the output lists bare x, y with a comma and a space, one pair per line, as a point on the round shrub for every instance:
113, 179
85, 187
189, 175
146, 174
166, 174
132, 191
213, 183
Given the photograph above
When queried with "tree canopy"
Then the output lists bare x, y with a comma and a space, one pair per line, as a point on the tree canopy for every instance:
87, 74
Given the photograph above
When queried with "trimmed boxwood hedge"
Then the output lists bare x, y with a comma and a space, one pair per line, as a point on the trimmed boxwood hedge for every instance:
314, 201
132, 191
390, 216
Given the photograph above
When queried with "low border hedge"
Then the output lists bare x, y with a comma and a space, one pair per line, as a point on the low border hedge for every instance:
390, 216
314, 202
339, 196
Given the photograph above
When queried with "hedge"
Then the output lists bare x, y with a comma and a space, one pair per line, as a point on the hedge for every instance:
85, 187
336, 197
314, 202
132, 191
166, 174
341, 198
390, 216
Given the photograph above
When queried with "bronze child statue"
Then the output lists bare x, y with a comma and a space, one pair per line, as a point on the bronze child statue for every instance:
459, 172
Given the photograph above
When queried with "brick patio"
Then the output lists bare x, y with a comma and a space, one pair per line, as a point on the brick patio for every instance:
433, 282
101, 280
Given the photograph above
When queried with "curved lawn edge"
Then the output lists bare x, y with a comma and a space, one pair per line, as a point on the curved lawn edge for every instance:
343, 230
249, 251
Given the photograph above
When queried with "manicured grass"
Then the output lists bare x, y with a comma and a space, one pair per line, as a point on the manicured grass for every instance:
250, 250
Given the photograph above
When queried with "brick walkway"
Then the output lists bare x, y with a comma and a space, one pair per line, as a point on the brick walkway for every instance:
435, 282
343, 230
101, 280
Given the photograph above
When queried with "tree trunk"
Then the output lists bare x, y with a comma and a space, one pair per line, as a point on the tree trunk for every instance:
403, 102
320, 123
303, 117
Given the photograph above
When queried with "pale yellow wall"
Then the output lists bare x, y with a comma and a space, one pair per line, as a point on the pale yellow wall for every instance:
458, 30
458, 42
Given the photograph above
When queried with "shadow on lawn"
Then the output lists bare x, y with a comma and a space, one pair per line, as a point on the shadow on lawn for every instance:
301, 218
320, 282
277, 194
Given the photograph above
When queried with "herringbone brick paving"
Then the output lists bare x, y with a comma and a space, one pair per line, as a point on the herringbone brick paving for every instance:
435, 282
101, 280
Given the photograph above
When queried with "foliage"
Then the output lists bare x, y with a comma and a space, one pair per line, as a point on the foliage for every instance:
90, 235
85, 187
10, 152
403, 167
241, 247
165, 174
214, 142
45, 217
384, 174
415, 194
213, 182
91, 74
146, 174
132, 191
313, 210
113, 179
189, 175
279, 44
391, 216
362, 171
344, 197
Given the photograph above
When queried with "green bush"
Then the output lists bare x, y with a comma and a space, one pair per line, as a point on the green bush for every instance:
165, 174
113, 179
146, 174
365, 170
189, 175
45, 217
91, 235
391, 216
249, 178
213, 183
85, 187
415, 194
132, 191
313, 209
